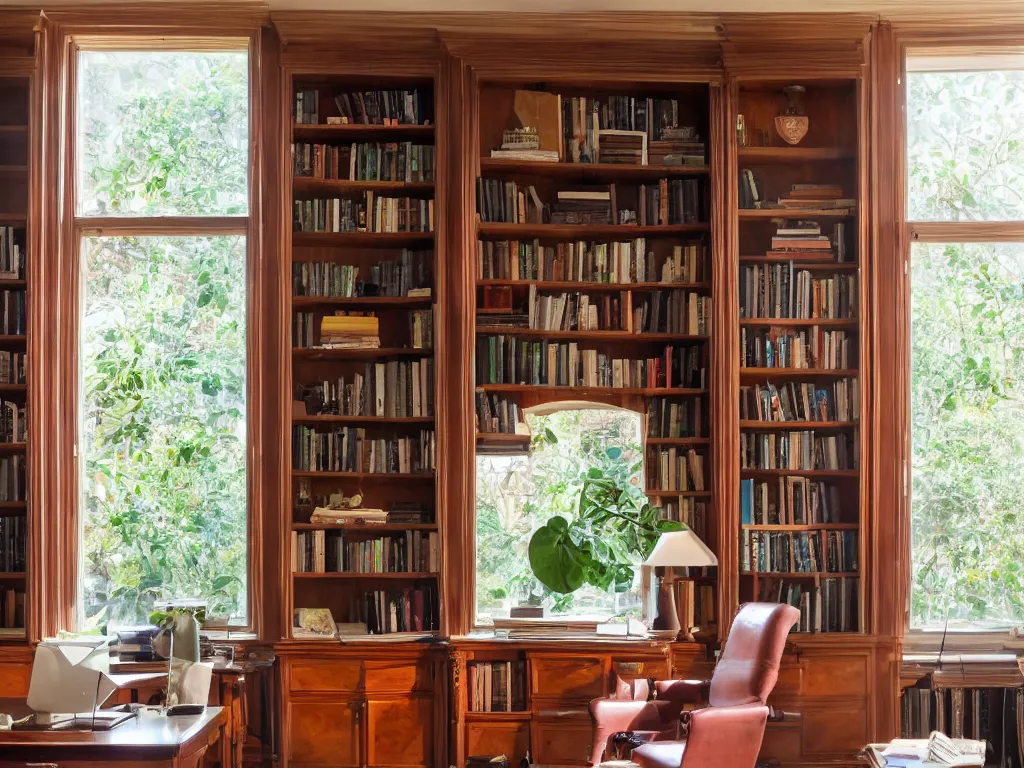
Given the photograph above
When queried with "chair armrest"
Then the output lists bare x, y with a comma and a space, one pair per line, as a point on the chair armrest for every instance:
683, 691
612, 716
725, 736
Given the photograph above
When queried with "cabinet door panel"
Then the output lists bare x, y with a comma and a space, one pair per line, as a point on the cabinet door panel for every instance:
497, 738
400, 732
839, 732
398, 676
317, 675
562, 741
574, 679
323, 734
14, 680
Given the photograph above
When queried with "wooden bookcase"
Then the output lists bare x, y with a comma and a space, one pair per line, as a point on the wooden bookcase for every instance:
819, 568
643, 247
367, 265
15, 160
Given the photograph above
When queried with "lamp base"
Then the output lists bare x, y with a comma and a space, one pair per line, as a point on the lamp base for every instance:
668, 617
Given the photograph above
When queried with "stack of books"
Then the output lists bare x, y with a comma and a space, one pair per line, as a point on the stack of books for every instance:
801, 401
409, 513
497, 686
622, 147
384, 107
818, 197
12, 478
798, 501
677, 146
12, 544
349, 332
348, 516
135, 644
800, 239
506, 201
688, 511
12, 264
675, 469
12, 609
803, 450
583, 206
496, 415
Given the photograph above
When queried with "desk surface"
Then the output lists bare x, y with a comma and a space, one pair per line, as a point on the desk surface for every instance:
152, 737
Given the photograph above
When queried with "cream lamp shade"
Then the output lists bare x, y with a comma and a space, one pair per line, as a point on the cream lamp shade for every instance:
679, 549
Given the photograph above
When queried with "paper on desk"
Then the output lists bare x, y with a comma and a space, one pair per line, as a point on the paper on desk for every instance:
913, 753
189, 682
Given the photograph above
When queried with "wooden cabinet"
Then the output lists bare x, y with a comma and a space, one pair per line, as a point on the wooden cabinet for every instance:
362, 708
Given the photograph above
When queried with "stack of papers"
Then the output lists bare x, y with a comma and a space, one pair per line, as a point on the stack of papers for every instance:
938, 751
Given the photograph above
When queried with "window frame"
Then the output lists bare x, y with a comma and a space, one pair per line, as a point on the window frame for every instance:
947, 56
74, 230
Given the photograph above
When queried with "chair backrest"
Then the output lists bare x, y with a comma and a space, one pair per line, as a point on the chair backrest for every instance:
749, 665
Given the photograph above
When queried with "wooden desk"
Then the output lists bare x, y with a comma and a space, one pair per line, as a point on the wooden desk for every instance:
157, 741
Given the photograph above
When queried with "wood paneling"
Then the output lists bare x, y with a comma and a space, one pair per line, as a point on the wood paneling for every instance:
400, 731
323, 734
495, 738
14, 678
561, 740
567, 678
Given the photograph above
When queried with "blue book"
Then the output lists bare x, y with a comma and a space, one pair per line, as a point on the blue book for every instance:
747, 501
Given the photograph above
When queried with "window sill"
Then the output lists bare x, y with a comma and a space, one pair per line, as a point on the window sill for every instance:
986, 642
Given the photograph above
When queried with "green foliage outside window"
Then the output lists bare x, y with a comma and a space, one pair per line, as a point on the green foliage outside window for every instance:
966, 162
163, 336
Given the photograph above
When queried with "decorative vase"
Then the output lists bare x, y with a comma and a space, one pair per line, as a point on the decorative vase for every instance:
793, 124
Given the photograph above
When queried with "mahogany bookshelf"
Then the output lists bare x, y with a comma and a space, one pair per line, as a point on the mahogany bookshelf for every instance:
828, 156
15, 161
391, 253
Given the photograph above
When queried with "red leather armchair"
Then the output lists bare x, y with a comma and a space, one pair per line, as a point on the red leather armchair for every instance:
725, 734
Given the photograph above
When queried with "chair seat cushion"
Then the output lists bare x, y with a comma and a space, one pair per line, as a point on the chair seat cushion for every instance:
660, 754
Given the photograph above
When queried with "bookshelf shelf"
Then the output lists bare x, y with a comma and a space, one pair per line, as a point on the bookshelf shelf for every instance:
13, 447
378, 476
8, 218
13, 129
589, 287
13, 170
585, 391
536, 333
754, 214
383, 420
790, 154
357, 132
799, 574
814, 265
789, 373
363, 576
12, 389
361, 239
6, 282
12, 575
813, 527
362, 302
809, 473
350, 187
850, 325
12, 506
678, 441
364, 529
586, 231
500, 438
681, 494
313, 353
13, 338
498, 717
796, 425
495, 166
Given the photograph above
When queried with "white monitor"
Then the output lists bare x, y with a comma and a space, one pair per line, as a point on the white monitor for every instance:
69, 677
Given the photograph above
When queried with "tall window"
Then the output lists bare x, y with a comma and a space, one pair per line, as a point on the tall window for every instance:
965, 160
518, 494
162, 200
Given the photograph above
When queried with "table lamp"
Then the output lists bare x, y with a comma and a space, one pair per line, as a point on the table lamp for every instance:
675, 549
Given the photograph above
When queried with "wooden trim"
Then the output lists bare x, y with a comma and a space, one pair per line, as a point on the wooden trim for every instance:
964, 231
197, 226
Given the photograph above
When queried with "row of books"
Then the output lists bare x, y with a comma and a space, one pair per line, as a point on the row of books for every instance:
781, 291
373, 107
496, 414
409, 275
703, 604
670, 201
12, 544
627, 261
799, 450
13, 313
13, 424
583, 117
392, 389
814, 348
825, 605
799, 552
673, 311
675, 469
801, 401
348, 449
12, 254
12, 478
12, 367
387, 611
671, 418
329, 333
686, 510
496, 686
391, 161
789, 501
334, 552
373, 213
511, 360
12, 608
